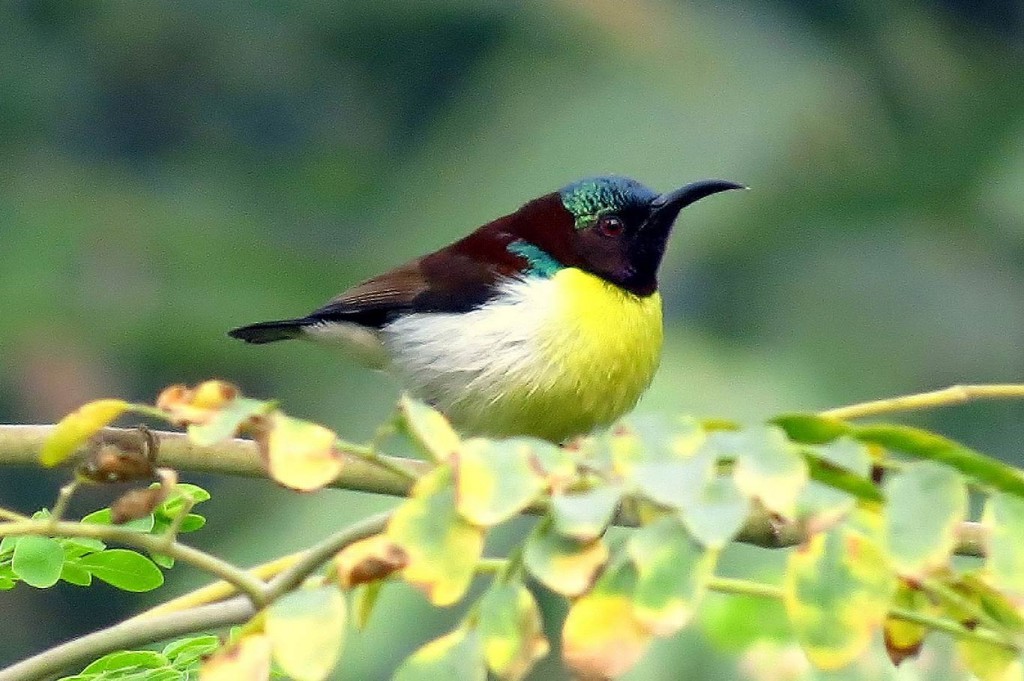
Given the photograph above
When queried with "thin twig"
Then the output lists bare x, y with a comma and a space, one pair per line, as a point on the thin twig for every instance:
63, 497
253, 588
744, 587
127, 635
323, 552
956, 394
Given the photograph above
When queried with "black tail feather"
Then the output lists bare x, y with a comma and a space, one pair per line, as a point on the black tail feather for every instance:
269, 332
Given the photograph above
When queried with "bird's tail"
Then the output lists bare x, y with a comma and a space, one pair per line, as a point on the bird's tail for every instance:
269, 332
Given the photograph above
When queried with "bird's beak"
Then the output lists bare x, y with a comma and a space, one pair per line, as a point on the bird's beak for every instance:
666, 207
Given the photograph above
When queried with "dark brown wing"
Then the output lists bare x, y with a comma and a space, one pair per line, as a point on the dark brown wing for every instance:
456, 278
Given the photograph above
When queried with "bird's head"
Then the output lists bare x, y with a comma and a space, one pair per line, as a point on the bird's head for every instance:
612, 226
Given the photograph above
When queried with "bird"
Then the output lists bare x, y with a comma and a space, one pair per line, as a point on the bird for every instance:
545, 323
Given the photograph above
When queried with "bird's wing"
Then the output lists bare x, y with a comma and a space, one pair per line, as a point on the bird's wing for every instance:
446, 281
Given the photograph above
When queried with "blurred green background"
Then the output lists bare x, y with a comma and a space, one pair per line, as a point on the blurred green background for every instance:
171, 170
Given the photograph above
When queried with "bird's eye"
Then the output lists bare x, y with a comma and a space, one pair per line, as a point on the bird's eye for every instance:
610, 226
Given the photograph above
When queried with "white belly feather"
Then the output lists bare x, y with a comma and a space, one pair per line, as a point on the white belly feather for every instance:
467, 363
551, 357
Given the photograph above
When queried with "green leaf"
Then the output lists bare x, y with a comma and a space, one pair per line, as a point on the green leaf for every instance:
495, 480
103, 517
306, 629
225, 421
672, 574
585, 515
172, 505
925, 445
364, 597
837, 591
717, 515
184, 651
456, 655
1004, 517
675, 482
927, 502
162, 560
567, 566
512, 630
768, 467
734, 622
191, 523
7, 544
80, 546
127, 660
811, 429
165, 674
655, 438
6, 583
37, 561
825, 495
443, 548
124, 569
72, 573
428, 428
998, 605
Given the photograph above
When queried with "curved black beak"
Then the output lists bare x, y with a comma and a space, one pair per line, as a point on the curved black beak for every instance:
668, 205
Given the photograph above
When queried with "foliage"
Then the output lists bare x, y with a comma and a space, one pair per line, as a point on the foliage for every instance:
878, 512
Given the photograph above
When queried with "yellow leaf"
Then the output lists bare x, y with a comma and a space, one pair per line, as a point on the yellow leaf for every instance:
248, 659
512, 630
494, 480
904, 639
185, 405
768, 467
837, 591
925, 504
306, 629
429, 429
442, 548
990, 662
369, 560
299, 454
673, 572
74, 429
364, 597
1004, 518
456, 656
563, 564
602, 637
585, 515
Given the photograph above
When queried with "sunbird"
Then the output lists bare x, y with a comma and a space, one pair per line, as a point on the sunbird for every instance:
545, 322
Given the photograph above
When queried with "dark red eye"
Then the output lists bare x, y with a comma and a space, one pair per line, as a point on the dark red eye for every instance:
610, 225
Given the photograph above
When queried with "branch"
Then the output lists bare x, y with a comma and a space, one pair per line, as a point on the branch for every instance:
139, 631
21, 444
293, 576
742, 587
252, 587
956, 394
152, 626
128, 635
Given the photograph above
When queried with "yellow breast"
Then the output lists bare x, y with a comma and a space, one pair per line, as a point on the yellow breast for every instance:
603, 347
551, 357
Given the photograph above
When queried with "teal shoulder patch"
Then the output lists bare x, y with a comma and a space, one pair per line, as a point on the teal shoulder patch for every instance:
541, 263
